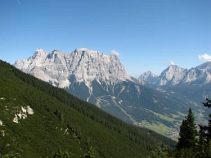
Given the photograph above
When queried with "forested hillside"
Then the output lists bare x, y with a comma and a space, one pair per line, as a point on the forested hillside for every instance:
37, 120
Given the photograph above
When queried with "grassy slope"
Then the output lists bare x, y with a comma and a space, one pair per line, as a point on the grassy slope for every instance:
41, 134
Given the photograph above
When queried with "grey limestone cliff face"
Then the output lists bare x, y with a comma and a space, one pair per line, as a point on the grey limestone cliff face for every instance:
83, 64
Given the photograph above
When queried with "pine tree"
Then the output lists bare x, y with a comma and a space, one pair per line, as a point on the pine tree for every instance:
205, 136
201, 153
188, 133
208, 128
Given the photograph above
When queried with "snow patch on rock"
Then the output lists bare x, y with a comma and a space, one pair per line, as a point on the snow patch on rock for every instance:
3, 133
29, 110
23, 114
1, 123
2, 98
15, 119
23, 109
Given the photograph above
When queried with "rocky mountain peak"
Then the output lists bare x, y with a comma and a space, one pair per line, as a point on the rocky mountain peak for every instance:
206, 66
148, 73
39, 53
84, 64
200, 74
175, 75
147, 78
172, 75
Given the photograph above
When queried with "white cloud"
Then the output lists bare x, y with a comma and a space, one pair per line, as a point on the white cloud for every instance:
115, 52
204, 57
172, 63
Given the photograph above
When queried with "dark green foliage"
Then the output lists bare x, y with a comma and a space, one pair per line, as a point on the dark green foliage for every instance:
186, 153
207, 129
90, 153
202, 141
161, 152
190, 147
187, 143
207, 103
61, 154
188, 132
203, 147
61, 120
11, 155
205, 136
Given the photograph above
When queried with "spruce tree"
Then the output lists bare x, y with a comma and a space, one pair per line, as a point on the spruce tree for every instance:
188, 133
202, 149
205, 135
208, 128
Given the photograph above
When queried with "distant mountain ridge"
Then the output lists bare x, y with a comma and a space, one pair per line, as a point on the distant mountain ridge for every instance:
175, 75
148, 78
102, 80
194, 83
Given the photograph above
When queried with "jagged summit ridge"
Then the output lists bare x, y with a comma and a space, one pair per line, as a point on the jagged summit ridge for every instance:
175, 75
84, 64
147, 77
172, 75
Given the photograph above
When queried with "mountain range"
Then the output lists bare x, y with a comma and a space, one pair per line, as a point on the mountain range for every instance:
193, 83
175, 76
155, 102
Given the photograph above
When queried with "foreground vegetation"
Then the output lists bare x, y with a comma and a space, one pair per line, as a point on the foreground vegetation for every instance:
193, 143
62, 125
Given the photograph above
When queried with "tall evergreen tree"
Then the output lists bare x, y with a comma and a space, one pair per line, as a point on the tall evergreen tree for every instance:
205, 135
188, 132
208, 128
202, 148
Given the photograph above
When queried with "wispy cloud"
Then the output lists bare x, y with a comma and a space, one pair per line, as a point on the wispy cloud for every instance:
115, 52
204, 57
172, 63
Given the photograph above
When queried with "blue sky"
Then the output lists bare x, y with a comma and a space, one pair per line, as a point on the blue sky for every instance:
148, 34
